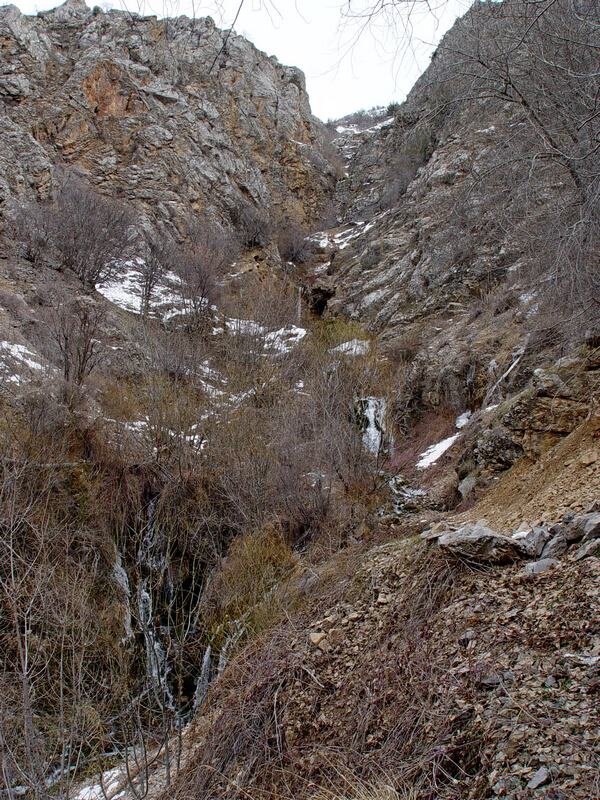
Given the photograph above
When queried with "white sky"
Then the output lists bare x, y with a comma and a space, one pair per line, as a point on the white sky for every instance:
346, 68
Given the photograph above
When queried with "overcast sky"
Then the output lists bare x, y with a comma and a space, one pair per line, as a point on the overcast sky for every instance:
347, 66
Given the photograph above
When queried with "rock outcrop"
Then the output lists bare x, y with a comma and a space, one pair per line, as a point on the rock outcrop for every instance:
173, 115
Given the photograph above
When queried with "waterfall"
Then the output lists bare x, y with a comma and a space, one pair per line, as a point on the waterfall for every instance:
120, 577
149, 555
372, 411
152, 560
239, 628
203, 679
157, 665
517, 356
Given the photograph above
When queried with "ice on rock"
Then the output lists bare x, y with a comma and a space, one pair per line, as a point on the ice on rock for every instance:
373, 411
463, 420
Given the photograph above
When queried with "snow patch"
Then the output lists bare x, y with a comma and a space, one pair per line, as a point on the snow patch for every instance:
285, 339
433, 453
355, 347
23, 356
107, 785
244, 327
124, 290
282, 340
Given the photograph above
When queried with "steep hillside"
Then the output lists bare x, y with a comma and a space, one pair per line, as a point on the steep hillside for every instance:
470, 215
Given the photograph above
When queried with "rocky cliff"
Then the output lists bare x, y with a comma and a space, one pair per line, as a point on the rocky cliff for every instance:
457, 233
175, 116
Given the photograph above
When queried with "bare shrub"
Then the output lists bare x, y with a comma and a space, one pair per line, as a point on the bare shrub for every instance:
89, 232
292, 241
54, 656
541, 63
251, 225
158, 258
74, 329
200, 263
31, 228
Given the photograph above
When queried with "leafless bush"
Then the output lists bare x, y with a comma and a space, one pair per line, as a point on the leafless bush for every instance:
52, 663
201, 263
292, 241
74, 329
251, 225
83, 230
542, 63
158, 259
31, 227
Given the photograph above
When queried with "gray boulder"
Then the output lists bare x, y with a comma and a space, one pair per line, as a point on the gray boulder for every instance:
480, 544
591, 548
533, 540
540, 778
543, 565
576, 528
591, 527
14, 86
556, 547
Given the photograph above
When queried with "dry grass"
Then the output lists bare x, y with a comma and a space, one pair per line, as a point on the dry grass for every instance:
242, 587
279, 735
349, 787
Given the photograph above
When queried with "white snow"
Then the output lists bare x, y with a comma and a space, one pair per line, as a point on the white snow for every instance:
124, 289
244, 327
355, 347
322, 268
108, 783
281, 340
374, 410
347, 129
23, 356
285, 339
355, 129
431, 455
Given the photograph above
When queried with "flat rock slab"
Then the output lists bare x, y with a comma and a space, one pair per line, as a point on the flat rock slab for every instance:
482, 545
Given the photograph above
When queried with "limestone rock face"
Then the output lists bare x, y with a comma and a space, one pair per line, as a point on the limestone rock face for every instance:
158, 111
